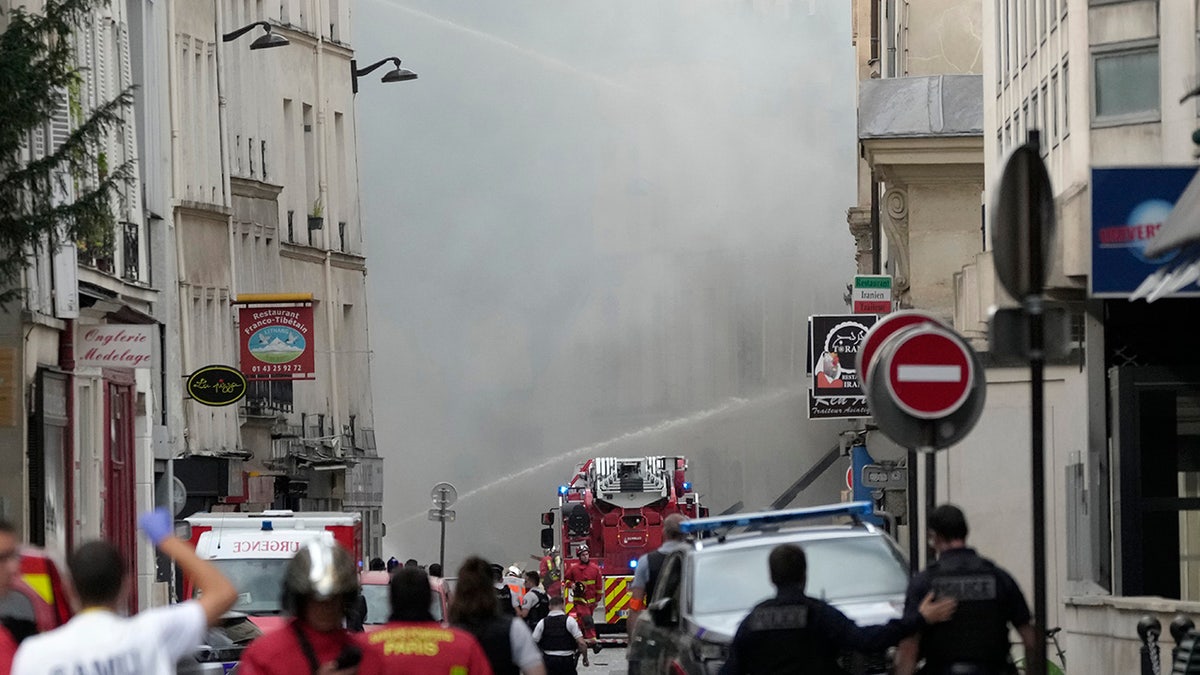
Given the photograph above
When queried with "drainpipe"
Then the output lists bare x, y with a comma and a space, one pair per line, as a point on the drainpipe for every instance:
327, 239
184, 290
223, 144
223, 133
876, 234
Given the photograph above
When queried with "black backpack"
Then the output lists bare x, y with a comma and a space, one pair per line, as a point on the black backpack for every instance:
504, 600
538, 611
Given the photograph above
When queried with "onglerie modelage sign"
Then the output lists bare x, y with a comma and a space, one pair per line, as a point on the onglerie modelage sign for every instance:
277, 342
113, 345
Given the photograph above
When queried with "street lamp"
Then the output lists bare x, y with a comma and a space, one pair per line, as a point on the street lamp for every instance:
263, 42
397, 74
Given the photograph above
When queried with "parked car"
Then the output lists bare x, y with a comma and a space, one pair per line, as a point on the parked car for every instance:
38, 601
375, 590
703, 592
222, 648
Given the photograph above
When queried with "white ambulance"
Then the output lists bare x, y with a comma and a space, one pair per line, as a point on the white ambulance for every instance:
253, 550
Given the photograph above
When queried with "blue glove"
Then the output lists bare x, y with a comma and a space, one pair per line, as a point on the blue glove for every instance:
157, 524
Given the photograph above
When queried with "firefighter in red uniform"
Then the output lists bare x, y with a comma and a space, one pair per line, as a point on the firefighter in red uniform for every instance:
550, 570
585, 583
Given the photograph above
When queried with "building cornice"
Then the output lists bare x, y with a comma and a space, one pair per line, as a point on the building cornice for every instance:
254, 189
207, 211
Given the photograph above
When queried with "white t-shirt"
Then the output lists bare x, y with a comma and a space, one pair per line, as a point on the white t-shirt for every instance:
524, 652
148, 643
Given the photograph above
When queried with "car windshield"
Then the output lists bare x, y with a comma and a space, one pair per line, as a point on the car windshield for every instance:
839, 569
259, 583
378, 604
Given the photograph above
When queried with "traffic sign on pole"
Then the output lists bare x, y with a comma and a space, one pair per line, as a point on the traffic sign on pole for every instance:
930, 372
441, 515
443, 494
881, 331
898, 422
885, 477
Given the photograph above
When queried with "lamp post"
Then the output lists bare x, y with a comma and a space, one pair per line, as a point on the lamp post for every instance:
266, 41
397, 74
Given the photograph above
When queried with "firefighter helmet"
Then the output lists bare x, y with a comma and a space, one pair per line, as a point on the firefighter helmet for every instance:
320, 571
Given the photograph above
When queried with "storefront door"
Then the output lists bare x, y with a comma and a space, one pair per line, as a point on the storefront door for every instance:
1155, 430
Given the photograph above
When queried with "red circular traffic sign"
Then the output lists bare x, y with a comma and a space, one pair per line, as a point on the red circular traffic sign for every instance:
930, 372
881, 331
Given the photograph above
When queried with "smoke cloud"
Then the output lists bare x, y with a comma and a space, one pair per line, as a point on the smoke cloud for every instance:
597, 228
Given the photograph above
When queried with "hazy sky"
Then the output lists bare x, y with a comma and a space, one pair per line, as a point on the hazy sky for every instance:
593, 220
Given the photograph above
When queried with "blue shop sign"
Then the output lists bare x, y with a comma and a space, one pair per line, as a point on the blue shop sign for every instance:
1128, 207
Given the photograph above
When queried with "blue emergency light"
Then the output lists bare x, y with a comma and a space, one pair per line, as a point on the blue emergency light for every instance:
686, 486
266, 526
633, 563
852, 509
562, 489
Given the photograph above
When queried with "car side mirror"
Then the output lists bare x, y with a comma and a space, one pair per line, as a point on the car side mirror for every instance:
547, 517
662, 611
547, 537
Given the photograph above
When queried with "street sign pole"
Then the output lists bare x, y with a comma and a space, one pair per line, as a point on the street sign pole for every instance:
1037, 364
443, 495
1022, 235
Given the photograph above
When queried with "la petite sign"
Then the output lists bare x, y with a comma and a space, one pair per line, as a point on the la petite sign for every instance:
114, 345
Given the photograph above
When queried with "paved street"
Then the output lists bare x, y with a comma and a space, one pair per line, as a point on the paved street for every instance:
607, 662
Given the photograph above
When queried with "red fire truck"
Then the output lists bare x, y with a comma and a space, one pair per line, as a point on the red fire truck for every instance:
253, 550
616, 506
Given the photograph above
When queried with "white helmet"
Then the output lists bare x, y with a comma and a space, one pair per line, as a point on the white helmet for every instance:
514, 570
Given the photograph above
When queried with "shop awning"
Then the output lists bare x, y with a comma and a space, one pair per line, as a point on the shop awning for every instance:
1178, 242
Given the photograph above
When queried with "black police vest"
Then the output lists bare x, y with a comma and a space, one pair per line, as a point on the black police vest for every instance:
978, 632
539, 610
654, 562
781, 638
555, 636
504, 600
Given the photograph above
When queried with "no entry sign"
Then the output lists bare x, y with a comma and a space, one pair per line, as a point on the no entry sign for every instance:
929, 372
881, 331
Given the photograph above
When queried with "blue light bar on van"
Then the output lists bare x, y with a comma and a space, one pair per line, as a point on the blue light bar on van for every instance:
776, 517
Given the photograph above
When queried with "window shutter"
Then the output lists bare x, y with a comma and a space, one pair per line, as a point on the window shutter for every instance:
128, 131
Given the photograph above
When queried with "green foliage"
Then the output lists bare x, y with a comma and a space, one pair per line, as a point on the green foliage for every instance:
37, 68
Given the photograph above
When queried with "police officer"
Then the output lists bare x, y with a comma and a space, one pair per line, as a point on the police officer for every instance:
646, 573
793, 633
975, 641
560, 639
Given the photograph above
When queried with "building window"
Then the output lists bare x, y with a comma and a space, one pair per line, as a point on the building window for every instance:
1053, 101
1035, 119
1005, 40
1126, 84
1066, 102
1046, 115
999, 9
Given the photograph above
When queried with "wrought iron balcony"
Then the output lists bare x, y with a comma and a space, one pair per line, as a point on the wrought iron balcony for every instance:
268, 397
